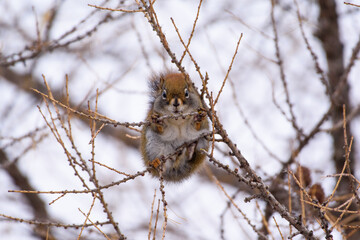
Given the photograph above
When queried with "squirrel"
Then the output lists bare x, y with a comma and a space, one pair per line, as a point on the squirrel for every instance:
175, 141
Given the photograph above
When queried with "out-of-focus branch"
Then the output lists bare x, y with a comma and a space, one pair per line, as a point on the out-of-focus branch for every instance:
329, 36
26, 82
37, 205
292, 119
41, 46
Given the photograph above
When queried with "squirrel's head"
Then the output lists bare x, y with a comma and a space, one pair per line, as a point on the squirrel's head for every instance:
173, 93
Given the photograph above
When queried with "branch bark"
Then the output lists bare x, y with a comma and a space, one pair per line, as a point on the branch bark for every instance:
329, 35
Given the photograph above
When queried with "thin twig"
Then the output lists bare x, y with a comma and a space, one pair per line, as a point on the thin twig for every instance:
156, 219
95, 225
162, 190
51, 224
192, 31
116, 10
351, 4
282, 73
229, 69
131, 177
265, 222
261, 235
87, 216
151, 215
319, 70
290, 201
277, 225
110, 168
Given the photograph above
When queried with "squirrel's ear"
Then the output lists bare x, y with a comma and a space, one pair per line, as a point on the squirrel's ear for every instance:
188, 81
161, 81
187, 78
155, 84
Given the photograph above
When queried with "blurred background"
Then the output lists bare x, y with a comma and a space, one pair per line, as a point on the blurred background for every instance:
274, 97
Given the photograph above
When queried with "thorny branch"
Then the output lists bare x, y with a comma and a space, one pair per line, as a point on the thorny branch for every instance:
56, 123
31, 52
105, 120
52, 224
265, 194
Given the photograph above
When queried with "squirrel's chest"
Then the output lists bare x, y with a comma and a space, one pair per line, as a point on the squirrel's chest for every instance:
180, 130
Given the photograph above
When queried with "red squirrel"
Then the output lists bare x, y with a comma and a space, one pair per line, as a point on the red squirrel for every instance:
179, 140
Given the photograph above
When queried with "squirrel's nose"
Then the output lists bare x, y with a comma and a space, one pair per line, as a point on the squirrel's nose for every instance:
176, 102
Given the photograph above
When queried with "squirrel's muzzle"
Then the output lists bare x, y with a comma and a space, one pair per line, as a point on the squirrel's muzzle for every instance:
176, 102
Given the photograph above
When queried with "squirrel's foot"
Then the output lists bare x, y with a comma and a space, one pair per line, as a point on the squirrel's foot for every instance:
155, 163
190, 150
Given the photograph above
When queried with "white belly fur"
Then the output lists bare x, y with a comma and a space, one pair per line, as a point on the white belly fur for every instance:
176, 133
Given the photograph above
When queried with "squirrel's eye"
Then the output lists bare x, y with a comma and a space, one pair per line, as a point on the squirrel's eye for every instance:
164, 94
186, 93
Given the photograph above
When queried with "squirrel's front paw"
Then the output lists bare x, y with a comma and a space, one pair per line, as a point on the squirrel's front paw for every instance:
198, 118
157, 124
155, 118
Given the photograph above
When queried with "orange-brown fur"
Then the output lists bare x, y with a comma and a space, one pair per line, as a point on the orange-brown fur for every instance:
173, 94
